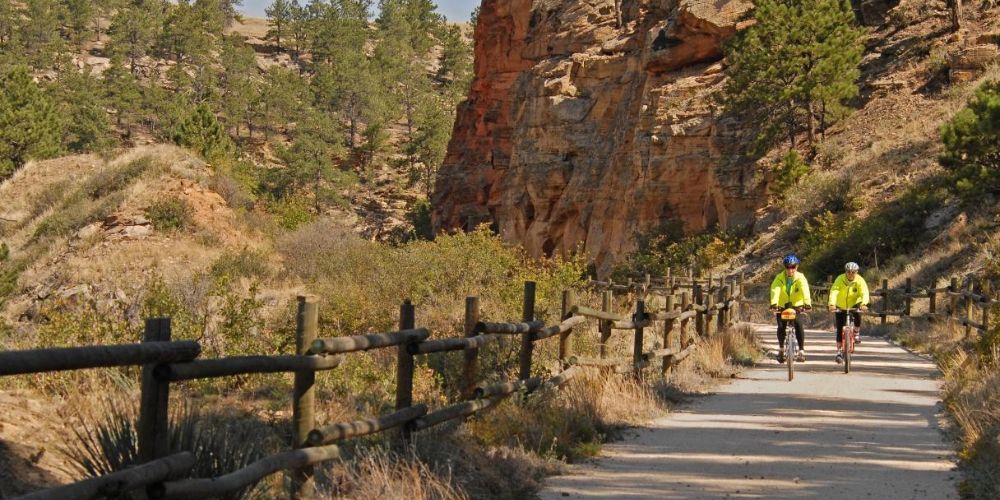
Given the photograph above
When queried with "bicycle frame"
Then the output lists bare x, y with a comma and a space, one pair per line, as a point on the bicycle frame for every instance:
847, 337
791, 341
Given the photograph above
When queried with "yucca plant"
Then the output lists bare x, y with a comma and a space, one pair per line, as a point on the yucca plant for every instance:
106, 440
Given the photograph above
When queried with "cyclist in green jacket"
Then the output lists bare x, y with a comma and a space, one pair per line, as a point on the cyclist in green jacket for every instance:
790, 288
849, 291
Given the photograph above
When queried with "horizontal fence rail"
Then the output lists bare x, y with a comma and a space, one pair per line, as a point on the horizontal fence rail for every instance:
709, 304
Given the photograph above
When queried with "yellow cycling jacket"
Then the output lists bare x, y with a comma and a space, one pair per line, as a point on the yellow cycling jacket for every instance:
846, 294
799, 295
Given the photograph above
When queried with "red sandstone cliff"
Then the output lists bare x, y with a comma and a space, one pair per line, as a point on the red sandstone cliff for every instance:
590, 121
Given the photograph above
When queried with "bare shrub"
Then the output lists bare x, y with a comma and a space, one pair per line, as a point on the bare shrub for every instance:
972, 394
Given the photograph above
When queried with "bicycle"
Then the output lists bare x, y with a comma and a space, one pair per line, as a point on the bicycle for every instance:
848, 337
788, 315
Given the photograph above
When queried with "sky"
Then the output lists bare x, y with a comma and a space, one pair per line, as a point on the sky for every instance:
454, 10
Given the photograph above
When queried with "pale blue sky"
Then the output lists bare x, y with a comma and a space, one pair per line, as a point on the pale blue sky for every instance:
455, 10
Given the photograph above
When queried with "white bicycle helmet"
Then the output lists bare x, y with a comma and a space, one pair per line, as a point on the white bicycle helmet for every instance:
852, 266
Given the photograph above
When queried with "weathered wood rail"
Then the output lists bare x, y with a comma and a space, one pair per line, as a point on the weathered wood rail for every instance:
162, 475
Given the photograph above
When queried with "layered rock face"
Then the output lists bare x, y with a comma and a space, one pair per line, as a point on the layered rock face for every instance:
592, 121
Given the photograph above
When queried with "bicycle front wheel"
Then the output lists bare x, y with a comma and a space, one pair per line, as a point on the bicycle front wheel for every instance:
848, 347
790, 359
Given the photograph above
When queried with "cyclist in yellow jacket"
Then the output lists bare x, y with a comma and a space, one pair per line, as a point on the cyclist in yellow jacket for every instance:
790, 288
849, 291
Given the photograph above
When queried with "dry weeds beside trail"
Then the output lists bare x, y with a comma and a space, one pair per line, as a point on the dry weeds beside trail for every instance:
870, 434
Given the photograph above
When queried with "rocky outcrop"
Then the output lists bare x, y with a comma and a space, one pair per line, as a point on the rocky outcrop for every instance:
592, 121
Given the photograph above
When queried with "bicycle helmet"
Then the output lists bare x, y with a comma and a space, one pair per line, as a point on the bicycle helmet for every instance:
790, 260
852, 266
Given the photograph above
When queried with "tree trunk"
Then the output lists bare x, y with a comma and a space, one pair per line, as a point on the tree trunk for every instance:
955, 6
812, 123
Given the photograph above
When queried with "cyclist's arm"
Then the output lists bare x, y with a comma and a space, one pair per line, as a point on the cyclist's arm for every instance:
775, 292
834, 292
865, 296
806, 296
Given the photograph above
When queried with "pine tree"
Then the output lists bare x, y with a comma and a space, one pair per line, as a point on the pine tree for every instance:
203, 133
972, 144
124, 94
794, 69
240, 84
430, 141
8, 25
134, 29
279, 16
29, 124
78, 16
311, 160
81, 99
40, 33
456, 63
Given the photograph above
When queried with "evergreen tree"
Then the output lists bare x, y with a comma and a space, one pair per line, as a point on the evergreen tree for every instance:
39, 35
203, 133
240, 84
134, 29
8, 25
456, 64
298, 27
124, 94
972, 144
81, 101
794, 69
284, 98
279, 16
78, 16
430, 141
311, 160
29, 124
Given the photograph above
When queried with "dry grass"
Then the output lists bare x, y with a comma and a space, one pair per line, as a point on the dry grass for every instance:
972, 394
376, 473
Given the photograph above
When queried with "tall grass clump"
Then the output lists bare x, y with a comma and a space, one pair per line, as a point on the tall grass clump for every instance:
106, 439
376, 473
972, 395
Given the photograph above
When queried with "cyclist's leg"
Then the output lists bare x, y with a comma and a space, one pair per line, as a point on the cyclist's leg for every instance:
840, 319
857, 326
800, 334
781, 331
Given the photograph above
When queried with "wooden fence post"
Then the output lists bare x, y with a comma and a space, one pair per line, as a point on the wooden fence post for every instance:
953, 304
968, 311
528, 314
404, 367
986, 315
908, 304
685, 305
469, 368
932, 300
721, 313
153, 428
699, 320
640, 316
304, 396
709, 302
668, 327
565, 349
885, 300
605, 325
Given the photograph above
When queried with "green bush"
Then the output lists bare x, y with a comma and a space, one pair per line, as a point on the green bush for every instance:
831, 238
245, 263
170, 213
972, 145
792, 169
669, 248
290, 211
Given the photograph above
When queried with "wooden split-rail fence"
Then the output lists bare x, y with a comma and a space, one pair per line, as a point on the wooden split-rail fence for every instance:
162, 474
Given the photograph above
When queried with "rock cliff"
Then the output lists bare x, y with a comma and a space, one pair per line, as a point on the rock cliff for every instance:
591, 121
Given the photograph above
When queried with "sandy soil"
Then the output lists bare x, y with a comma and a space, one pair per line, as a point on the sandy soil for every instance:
872, 433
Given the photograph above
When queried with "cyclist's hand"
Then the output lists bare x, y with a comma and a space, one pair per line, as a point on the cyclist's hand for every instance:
807, 308
864, 308
831, 308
